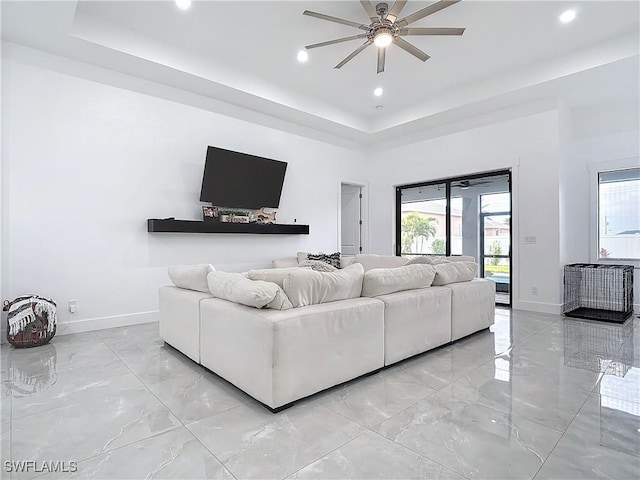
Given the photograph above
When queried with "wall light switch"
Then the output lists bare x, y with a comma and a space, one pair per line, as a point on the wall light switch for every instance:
530, 240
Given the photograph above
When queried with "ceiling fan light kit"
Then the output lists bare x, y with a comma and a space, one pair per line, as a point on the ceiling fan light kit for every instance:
385, 28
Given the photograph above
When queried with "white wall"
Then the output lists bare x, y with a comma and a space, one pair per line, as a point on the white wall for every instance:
594, 140
88, 163
527, 145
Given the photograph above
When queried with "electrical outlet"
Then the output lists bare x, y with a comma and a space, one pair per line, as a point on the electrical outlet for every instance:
73, 306
534, 290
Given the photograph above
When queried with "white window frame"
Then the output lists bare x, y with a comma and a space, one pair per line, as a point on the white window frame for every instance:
594, 170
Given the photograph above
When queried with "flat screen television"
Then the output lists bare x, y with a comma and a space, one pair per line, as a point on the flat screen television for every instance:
239, 180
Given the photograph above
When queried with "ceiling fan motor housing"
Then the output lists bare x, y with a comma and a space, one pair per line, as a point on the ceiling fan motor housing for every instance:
382, 9
383, 28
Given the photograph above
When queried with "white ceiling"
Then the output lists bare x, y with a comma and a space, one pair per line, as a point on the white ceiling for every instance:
244, 53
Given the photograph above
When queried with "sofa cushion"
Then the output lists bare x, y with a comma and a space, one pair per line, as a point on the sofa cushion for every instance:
280, 301
191, 277
307, 287
380, 281
345, 261
421, 260
275, 275
440, 261
454, 272
318, 265
286, 262
235, 287
369, 261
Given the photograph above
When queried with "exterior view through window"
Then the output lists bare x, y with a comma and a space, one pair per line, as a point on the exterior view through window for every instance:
619, 214
460, 216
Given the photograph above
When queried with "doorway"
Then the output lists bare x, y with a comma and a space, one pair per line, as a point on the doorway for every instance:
350, 219
468, 215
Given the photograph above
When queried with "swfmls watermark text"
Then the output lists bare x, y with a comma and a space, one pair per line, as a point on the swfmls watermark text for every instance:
42, 466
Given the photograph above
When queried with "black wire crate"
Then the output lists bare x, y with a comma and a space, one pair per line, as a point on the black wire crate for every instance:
598, 292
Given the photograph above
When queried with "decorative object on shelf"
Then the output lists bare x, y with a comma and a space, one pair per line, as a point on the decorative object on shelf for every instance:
598, 291
239, 218
233, 215
31, 321
210, 214
261, 216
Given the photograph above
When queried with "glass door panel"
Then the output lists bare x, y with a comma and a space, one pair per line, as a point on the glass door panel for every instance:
460, 216
496, 252
423, 223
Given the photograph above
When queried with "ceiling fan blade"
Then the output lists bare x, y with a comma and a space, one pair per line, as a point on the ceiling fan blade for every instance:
433, 8
354, 53
371, 12
338, 40
329, 18
416, 52
395, 10
431, 31
381, 56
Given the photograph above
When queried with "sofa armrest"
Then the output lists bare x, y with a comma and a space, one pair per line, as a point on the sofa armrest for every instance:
180, 319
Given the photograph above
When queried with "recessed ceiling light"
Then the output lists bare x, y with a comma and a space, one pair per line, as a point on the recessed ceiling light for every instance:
377, 92
183, 4
303, 56
568, 16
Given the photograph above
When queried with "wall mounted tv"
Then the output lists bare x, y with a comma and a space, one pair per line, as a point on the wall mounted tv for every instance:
239, 180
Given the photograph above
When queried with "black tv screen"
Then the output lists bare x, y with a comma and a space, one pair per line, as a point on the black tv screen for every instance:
239, 180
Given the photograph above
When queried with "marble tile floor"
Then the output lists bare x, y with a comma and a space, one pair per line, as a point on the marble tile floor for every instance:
535, 396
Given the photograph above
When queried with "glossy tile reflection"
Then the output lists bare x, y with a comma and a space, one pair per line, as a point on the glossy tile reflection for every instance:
535, 396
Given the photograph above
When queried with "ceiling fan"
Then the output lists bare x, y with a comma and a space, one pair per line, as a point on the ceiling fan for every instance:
464, 184
386, 28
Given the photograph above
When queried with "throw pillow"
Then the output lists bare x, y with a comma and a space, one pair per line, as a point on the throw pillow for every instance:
286, 262
235, 287
379, 261
280, 301
332, 259
454, 272
318, 266
191, 277
380, 281
422, 260
347, 260
275, 275
306, 287
440, 261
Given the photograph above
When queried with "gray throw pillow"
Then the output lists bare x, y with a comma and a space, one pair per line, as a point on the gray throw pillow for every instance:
318, 266
330, 258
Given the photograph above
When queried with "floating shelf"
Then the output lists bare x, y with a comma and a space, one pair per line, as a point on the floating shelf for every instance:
171, 225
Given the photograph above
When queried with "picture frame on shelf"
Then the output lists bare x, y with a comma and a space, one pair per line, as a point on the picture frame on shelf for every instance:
210, 214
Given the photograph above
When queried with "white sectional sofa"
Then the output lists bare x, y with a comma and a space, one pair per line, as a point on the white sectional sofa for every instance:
280, 356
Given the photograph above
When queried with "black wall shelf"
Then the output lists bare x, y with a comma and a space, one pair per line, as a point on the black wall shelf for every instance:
171, 225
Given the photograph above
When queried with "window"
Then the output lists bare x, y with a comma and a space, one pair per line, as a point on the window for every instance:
619, 214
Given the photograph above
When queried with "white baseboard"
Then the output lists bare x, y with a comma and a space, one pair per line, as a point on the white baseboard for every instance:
538, 307
91, 324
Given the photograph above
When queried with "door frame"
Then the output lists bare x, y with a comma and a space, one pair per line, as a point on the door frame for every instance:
509, 171
364, 213
482, 216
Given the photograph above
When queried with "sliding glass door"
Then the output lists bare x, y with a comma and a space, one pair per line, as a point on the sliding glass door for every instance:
460, 216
